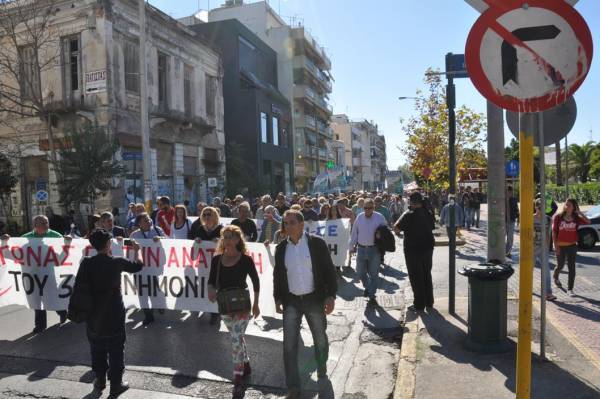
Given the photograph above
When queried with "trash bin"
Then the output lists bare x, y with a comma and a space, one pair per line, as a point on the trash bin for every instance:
487, 306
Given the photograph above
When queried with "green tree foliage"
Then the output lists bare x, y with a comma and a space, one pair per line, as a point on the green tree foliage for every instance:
87, 164
407, 174
7, 182
595, 163
580, 159
427, 142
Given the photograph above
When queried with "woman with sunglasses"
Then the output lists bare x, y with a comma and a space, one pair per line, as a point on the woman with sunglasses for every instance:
229, 269
207, 228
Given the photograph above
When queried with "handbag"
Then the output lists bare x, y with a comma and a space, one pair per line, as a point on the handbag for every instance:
232, 300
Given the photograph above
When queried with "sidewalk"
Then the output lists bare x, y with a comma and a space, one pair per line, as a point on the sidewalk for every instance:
434, 362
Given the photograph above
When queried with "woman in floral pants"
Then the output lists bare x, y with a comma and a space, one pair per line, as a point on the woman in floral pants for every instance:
229, 269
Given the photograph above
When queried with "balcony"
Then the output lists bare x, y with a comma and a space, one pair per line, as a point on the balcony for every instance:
317, 74
301, 33
306, 93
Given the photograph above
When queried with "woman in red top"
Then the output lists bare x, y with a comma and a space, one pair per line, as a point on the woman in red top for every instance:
564, 234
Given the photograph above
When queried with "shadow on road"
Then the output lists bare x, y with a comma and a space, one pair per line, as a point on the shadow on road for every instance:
548, 378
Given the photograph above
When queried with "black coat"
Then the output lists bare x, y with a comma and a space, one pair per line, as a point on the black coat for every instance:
386, 242
102, 273
324, 274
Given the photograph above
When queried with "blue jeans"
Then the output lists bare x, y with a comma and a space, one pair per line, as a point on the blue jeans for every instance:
469, 213
368, 260
313, 309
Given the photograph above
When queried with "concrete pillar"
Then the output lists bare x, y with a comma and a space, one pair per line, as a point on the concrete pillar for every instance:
496, 184
202, 182
153, 172
178, 174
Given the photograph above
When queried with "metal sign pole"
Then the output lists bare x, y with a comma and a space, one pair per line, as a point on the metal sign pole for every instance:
451, 101
528, 130
544, 247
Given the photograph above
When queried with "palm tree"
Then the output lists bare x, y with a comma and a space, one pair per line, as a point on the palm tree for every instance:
581, 156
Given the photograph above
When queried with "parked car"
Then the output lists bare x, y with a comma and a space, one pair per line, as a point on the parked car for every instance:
589, 234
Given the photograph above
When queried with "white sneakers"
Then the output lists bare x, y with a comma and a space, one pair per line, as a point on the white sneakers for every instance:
570, 293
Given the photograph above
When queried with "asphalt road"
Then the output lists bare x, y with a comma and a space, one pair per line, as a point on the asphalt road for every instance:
181, 354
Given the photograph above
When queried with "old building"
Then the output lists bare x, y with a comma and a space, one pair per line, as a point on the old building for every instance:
259, 140
365, 152
304, 77
378, 161
96, 77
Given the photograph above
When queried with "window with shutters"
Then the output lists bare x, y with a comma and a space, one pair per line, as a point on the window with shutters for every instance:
162, 82
188, 72
71, 49
131, 55
211, 94
29, 74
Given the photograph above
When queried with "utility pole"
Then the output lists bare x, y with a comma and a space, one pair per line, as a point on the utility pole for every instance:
528, 125
144, 122
496, 198
544, 249
451, 102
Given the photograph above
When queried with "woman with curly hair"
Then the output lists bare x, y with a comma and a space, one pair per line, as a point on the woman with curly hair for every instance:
229, 269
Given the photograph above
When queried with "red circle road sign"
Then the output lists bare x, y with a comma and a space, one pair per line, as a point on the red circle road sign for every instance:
528, 55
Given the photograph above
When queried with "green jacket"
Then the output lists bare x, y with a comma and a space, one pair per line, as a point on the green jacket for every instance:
49, 234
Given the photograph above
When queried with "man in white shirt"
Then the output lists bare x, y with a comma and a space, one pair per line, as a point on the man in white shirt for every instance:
304, 284
368, 257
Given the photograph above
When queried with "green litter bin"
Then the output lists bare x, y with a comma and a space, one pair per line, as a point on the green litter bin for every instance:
487, 306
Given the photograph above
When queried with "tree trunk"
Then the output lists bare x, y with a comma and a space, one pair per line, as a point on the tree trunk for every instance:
559, 176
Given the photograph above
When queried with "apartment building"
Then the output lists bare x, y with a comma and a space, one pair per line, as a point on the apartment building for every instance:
96, 78
259, 140
304, 77
365, 152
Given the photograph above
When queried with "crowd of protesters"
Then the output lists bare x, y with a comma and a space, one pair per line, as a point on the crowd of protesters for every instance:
305, 278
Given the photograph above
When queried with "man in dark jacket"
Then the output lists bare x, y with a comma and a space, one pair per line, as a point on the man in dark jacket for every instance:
304, 284
106, 323
418, 225
107, 222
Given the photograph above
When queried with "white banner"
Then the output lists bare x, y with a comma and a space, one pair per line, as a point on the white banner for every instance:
40, 273
336, 234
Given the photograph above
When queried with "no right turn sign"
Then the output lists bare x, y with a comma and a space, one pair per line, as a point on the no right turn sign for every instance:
529, 56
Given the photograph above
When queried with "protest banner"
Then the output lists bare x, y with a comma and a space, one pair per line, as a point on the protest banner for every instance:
40, 273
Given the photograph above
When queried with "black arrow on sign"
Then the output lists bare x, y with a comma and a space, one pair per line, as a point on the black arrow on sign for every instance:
509, 52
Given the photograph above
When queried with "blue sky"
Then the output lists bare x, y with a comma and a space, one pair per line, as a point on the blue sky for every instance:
381, 48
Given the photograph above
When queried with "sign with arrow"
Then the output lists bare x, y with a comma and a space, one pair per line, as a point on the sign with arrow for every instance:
528, 55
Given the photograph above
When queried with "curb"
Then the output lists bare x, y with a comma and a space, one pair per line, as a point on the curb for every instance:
407, 365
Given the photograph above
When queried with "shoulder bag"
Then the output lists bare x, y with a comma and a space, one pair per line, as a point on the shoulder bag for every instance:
231, 300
